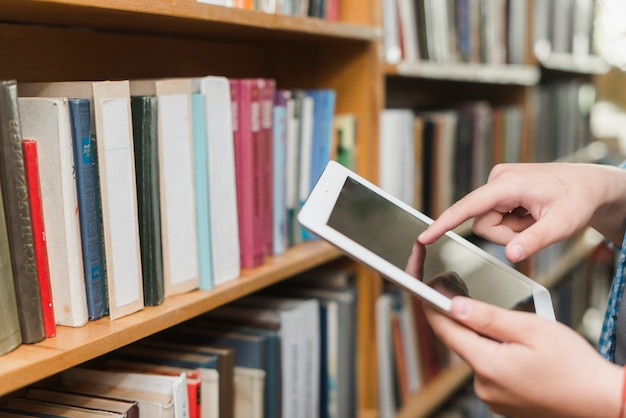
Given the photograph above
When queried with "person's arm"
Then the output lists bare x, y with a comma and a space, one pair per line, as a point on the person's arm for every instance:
527, 366
530, 206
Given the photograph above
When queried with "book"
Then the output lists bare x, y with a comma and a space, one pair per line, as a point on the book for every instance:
225, 367
47, 120
111, 117
267, 88
10, 336
88, 206
176, 171
323, 116
385, 365
157, 396
31, 165
146, 152
46, 409
396, 153
201, 183
292, 169
222, 184
279, 174
249, 388
17, 216
343, 146
125, 409
246, 102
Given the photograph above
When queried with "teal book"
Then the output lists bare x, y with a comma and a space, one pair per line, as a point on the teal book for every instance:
201, 183
88, 207
279, 148
145, 140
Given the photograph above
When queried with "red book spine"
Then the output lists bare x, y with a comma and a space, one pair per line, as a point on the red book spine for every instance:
246, 127
31, 167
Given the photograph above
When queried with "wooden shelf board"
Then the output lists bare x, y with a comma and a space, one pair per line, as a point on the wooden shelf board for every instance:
183, 17
589, 64
523, 75
72, 346
434, 395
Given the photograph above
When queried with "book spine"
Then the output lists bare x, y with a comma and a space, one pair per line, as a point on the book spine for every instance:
17, 211
145, 140
246, 128
268, 87
41, 251
201, 181
10, 336
87, 205
279, 174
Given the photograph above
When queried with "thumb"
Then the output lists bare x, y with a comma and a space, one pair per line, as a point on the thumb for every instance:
499, 324
533, 239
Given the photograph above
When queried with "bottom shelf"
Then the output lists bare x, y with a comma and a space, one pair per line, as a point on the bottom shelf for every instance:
435, 394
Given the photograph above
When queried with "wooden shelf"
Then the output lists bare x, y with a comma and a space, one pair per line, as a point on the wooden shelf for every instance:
183, 17
523, 75
589, 64
72, 346
433, 395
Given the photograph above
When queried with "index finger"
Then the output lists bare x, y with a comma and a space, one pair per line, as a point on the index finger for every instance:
478, 202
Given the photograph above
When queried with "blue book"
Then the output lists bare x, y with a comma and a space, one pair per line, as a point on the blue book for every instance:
323, 115
279, 145
88, 206
201, 180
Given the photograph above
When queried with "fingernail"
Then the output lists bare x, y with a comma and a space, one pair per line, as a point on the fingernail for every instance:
461, 307
517, 253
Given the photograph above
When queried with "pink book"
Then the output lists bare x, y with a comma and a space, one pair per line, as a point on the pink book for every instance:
245, 97
268, 89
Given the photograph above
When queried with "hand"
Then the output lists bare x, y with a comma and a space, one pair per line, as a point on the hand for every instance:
530, 206
541, 368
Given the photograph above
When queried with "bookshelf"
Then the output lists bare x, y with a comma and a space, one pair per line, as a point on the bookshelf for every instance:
56, 40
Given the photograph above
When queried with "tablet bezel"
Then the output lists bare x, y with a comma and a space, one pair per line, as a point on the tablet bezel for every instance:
320, 203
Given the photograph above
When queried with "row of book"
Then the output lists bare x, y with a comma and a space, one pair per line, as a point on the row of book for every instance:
475, 31
563, 27
432, 158
324, 9
287, 351
142, 189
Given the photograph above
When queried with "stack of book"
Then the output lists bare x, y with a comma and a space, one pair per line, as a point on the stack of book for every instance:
118, 194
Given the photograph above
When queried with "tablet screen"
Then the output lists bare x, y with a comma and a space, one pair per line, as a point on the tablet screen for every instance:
448, 265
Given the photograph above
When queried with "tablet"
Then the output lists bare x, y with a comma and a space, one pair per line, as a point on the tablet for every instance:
381, 231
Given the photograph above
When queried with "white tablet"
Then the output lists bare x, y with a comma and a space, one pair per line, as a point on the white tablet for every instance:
380, 231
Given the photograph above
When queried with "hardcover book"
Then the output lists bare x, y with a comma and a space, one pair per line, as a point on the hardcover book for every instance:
201, 182
17, 214
222, 184
145, 140
10, 336
246, 102
39, 232
88, 206
47, 120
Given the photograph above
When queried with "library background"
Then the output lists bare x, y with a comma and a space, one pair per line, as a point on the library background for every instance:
155, 154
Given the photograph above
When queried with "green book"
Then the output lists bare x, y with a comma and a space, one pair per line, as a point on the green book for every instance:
145, 139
